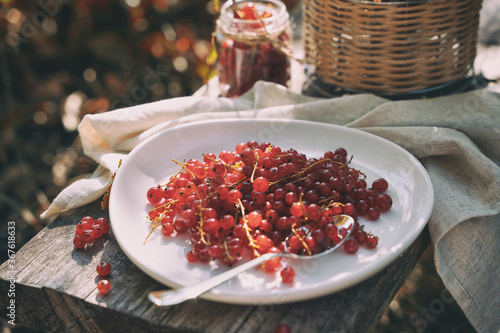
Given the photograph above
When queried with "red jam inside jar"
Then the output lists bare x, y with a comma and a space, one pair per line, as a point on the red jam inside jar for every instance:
253, 43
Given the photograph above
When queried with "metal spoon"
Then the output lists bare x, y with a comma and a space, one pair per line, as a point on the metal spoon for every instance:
176, 296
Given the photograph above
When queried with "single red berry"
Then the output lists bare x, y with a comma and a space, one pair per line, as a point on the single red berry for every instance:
283, 328
272, 265
341, 151
373, 213
260, 184
371, 241
313, 211
104, 223
351, 246
264, 243
234, 195
380, 185
155, 194
297, 209
104, 286
167, 229
360, 236
191, 256
254, 219
88, 236
104, 268
287, 274
226, 221
349, 209
96, 228
337, 209
384, 202
211, 226
88, 219
84, 224
79, 243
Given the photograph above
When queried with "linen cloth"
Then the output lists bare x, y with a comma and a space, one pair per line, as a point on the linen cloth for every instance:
456, 138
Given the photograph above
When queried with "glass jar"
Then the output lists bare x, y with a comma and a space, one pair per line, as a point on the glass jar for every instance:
253, 41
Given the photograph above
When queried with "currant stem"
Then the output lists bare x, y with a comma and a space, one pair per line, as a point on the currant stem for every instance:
304, 244
154, 224
251, 241
183, 167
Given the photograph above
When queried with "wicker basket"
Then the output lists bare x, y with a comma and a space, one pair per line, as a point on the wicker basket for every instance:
390, 48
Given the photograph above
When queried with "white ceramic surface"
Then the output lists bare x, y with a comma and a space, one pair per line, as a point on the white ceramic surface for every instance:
163, 259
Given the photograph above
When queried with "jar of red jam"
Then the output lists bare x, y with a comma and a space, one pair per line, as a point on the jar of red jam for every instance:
253, 43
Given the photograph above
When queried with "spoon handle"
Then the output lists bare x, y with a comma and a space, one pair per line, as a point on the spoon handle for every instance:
176, 296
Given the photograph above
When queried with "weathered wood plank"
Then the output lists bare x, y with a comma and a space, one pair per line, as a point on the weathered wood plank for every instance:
56, 291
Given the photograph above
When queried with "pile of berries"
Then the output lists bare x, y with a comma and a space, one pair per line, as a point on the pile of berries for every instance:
258, 195
88, 230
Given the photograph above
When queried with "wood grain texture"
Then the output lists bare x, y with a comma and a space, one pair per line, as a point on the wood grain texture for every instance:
56, 291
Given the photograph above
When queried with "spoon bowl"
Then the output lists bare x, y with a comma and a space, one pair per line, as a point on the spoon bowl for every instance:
176, 296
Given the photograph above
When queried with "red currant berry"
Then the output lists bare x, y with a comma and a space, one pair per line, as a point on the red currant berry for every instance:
104, 268
341, 151
313, 211
226, 221
337, 209
287, 274
351, 246
247, 156
216, 251
233, 196
380, 185
331, 230
371, 241
272, 265
260, 184
211, 226
297, 209
203, 254
360, 236
104, 286
373, 213
189, 217
180, 227
155, 194
264, 243
191, 256
79, 243
84, 224
283, 328
88, 236
384, 202
167, 229
349, 209
96, 228
104, 223
199, 171
88, 219
254, 219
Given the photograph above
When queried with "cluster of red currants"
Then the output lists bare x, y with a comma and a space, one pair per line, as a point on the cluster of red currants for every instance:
88, 230
266, 199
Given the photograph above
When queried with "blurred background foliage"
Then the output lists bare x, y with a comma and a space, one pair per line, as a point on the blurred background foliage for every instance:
63, 59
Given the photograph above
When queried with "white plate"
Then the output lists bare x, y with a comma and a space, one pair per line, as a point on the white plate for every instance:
163, 259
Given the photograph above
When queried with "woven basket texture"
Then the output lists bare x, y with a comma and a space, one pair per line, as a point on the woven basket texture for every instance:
390, 47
